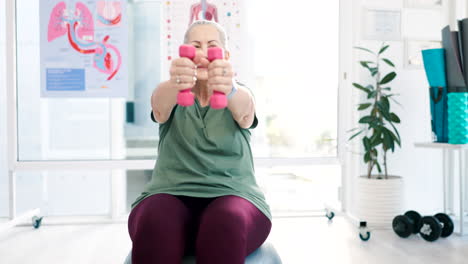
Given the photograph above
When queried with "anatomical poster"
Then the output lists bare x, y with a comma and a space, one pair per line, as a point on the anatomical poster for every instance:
83, 48
179, 14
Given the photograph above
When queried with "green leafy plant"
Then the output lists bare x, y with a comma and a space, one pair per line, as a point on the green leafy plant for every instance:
378, 124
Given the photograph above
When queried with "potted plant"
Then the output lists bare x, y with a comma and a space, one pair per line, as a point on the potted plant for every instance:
379, 196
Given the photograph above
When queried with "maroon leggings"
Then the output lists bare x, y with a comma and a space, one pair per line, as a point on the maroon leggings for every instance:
225, 229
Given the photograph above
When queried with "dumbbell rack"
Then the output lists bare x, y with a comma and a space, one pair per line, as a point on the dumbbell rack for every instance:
449, 151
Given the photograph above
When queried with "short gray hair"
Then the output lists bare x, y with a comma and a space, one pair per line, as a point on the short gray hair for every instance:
222, 32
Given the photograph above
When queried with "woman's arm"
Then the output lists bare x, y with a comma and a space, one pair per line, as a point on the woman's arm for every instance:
164, 97
242, 106
163, 100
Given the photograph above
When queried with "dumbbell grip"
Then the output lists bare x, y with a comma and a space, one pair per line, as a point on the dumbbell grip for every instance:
218, 99
186, 97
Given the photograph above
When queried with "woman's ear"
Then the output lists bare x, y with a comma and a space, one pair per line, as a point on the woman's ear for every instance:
227, 55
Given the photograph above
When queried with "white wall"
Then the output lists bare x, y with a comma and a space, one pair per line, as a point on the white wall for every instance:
3, 162
421, 168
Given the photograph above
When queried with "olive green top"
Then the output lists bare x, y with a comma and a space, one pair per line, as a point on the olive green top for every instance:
204, 153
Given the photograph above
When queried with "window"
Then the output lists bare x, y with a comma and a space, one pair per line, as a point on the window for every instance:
295, 58
64, 193
88, 128
295, 81
294, 74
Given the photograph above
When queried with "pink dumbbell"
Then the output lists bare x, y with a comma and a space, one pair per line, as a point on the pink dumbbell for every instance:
186, 97
218, 99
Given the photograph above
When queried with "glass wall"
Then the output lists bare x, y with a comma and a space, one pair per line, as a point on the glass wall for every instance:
89, 128
64, 193
295, 58
294, 79
82, 128
293, 76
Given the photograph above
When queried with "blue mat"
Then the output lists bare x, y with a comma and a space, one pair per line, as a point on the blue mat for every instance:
434, 64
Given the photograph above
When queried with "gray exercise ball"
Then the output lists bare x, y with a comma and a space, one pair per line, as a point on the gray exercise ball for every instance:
266, 254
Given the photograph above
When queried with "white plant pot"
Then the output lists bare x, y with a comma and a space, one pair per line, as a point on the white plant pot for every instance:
379, 200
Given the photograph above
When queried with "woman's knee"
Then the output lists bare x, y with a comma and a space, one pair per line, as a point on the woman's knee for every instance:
234, 217
157, 213
226, 217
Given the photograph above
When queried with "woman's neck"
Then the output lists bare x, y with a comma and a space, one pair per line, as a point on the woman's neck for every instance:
201, 92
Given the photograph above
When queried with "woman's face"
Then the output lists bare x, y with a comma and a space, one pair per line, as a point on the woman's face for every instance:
203, 37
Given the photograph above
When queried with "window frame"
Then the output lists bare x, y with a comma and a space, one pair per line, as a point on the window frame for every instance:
116, 166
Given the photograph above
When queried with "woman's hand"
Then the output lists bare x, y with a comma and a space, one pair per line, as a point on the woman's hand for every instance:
183, 73
164, 98
220, 76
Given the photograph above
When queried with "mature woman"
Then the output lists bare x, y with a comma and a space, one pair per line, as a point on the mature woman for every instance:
203, 198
